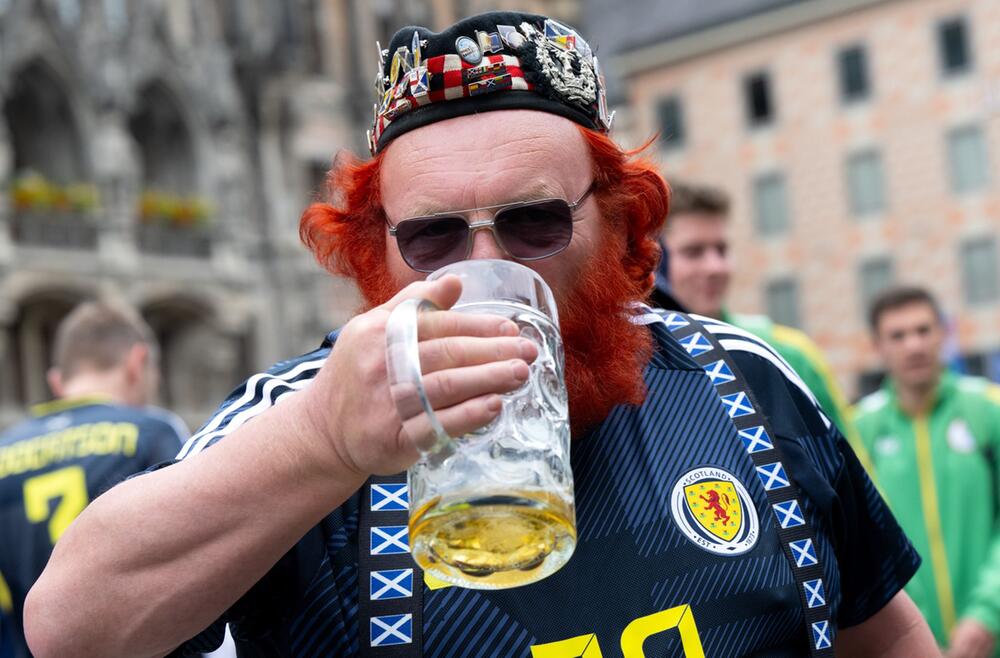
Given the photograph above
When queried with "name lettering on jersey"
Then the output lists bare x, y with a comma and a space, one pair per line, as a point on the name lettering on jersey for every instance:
79, 441
714, 510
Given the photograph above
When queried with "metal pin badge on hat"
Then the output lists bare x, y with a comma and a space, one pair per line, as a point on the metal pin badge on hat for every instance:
468, 50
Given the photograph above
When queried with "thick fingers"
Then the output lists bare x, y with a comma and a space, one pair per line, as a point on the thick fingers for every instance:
440, 324
450, 387
458, 352
470, 415
456, 420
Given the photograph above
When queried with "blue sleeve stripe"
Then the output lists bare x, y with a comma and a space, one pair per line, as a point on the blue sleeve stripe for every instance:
258, 394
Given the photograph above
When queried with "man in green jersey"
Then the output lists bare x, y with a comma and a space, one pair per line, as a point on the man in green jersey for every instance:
934, 439
695, 273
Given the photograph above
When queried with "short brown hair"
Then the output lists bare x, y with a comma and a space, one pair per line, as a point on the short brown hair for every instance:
698, 200
898, 297
97, 335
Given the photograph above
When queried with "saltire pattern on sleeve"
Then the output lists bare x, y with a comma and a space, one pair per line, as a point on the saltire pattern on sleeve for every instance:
734, 339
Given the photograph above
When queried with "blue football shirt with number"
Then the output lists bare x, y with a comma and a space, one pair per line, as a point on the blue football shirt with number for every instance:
52, 465
678, 551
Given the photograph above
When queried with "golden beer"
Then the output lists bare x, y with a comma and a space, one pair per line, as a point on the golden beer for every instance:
494, 542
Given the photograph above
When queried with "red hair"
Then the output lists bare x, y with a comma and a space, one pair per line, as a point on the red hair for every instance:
348, 238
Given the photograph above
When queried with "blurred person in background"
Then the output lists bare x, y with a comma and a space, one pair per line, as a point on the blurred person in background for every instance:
695, 273
261, 520
97, 431
6, 620
934, 439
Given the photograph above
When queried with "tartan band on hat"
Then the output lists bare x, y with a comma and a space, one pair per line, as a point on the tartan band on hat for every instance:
493, 61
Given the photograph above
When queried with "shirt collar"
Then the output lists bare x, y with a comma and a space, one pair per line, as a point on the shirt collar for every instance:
56, 406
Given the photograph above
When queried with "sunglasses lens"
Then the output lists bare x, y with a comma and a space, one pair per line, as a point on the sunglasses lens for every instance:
535, 230
429, 243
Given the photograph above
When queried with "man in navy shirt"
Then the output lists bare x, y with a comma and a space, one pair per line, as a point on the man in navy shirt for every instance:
261, 521
96, 433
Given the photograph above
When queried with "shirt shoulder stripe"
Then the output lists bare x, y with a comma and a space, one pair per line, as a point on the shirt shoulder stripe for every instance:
259, 393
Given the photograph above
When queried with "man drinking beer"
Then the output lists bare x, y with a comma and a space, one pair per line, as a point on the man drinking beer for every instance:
490, 140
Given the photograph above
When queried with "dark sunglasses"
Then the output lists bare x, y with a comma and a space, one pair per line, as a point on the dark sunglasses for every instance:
527, 230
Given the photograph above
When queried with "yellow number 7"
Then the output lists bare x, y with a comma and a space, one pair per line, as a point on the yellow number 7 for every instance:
69, 485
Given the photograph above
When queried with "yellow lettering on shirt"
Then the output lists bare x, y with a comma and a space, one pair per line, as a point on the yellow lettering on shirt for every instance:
85, 440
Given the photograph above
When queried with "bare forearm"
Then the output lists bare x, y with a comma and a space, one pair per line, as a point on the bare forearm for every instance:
896, 631
159, 558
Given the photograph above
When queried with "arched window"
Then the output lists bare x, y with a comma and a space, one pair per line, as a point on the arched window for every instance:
50, 192
173, 217
199, 364
168, 161
42, 127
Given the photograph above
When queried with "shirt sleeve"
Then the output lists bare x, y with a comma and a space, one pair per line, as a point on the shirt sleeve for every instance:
163, 435
258, 612
984, 602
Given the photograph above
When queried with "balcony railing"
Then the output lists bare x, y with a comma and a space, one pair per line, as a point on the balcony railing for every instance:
171, 240
63, 230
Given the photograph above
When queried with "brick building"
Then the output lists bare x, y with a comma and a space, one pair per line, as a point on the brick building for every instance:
859, 140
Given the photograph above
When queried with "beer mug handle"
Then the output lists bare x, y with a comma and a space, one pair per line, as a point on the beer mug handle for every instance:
406, 383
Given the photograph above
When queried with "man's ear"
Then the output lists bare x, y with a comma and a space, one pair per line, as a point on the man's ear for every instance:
56, 384
135, 363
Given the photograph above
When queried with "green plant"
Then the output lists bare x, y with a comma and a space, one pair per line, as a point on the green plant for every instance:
30, 191
172, 210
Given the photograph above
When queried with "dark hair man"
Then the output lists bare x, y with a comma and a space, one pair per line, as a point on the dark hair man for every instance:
695, 274
934, 438
95, 433
504, 114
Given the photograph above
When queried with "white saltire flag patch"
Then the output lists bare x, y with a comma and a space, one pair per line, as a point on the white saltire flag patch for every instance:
389, 540
391, 629
390, 498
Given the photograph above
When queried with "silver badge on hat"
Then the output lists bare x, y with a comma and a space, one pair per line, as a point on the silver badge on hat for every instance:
468, 50
605, 117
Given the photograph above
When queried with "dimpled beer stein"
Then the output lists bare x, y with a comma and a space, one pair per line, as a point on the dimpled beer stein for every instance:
494, 508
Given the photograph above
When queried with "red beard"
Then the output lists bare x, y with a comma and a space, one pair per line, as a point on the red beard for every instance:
605, 351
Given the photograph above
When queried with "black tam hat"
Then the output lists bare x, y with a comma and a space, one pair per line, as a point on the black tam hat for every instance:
494, 61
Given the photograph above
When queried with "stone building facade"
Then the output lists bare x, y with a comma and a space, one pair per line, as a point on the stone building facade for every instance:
860, 142
138, 145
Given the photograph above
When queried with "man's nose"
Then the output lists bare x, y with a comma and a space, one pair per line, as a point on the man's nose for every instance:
716, 261
484, 245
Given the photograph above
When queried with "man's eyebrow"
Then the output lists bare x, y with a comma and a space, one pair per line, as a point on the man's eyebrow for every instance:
532, 191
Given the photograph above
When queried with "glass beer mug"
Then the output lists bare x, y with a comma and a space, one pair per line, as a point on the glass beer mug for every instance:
494, 508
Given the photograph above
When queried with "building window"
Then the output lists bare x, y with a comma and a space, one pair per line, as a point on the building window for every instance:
953, 46
979, 270
876, 274
759, 104
967, 159
853, 65
782, 301
670, 117
865, 182
770, 204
